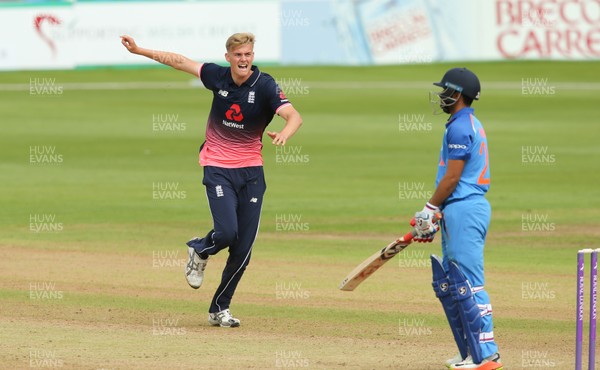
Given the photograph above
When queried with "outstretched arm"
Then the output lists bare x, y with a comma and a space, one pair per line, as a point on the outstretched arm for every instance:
293, 121
174, 60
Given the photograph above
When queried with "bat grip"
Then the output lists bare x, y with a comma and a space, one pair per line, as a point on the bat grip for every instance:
409, 236
436, 217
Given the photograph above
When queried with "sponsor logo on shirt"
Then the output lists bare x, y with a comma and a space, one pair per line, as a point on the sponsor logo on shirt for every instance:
251, 97
282, 96
234, 113
223, 93
233, 124
457, 146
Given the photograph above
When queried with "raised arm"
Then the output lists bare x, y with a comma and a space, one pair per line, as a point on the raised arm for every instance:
174, 60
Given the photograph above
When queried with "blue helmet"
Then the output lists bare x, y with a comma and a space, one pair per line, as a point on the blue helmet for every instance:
460, 80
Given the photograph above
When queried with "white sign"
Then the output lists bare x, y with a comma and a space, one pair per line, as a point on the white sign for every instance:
87, 34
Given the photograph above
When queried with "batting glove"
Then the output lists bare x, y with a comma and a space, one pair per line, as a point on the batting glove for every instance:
426, 223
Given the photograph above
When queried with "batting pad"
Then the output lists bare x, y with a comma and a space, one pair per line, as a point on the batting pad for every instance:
460, 290
441, 287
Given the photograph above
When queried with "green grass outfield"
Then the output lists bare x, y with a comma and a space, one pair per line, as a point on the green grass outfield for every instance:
100, 285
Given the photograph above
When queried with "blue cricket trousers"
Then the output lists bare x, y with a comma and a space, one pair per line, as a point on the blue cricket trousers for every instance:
464, 229
235, 197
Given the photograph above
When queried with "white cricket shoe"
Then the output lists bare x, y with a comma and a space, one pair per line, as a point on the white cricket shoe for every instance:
453, 360
223, 319
489, 363
194, 270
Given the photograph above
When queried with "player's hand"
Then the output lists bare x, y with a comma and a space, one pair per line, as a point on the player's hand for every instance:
129, 43
278, 139
426, 223
421, 239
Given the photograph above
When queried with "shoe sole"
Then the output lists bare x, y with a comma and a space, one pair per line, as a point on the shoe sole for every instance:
487, 366
190, 284
236, 325
224, 326
187, 274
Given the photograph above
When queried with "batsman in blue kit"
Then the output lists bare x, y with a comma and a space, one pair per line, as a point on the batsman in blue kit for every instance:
463, 178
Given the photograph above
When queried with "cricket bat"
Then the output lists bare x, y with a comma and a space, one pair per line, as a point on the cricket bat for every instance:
373, 263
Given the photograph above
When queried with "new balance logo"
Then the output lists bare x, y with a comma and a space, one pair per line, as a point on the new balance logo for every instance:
223, 93
254, 200
219, 190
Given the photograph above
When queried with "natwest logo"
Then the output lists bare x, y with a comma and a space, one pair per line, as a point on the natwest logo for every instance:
234, 113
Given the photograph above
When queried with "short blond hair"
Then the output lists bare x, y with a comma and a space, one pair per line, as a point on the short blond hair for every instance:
238, 39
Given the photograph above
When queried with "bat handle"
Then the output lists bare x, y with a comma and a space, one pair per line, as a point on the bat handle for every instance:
408, 236
436, 217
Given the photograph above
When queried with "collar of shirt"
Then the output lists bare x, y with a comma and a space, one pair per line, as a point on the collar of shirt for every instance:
462, 112
250, 81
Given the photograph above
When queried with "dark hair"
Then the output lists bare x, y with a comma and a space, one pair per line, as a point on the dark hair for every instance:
467, 100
